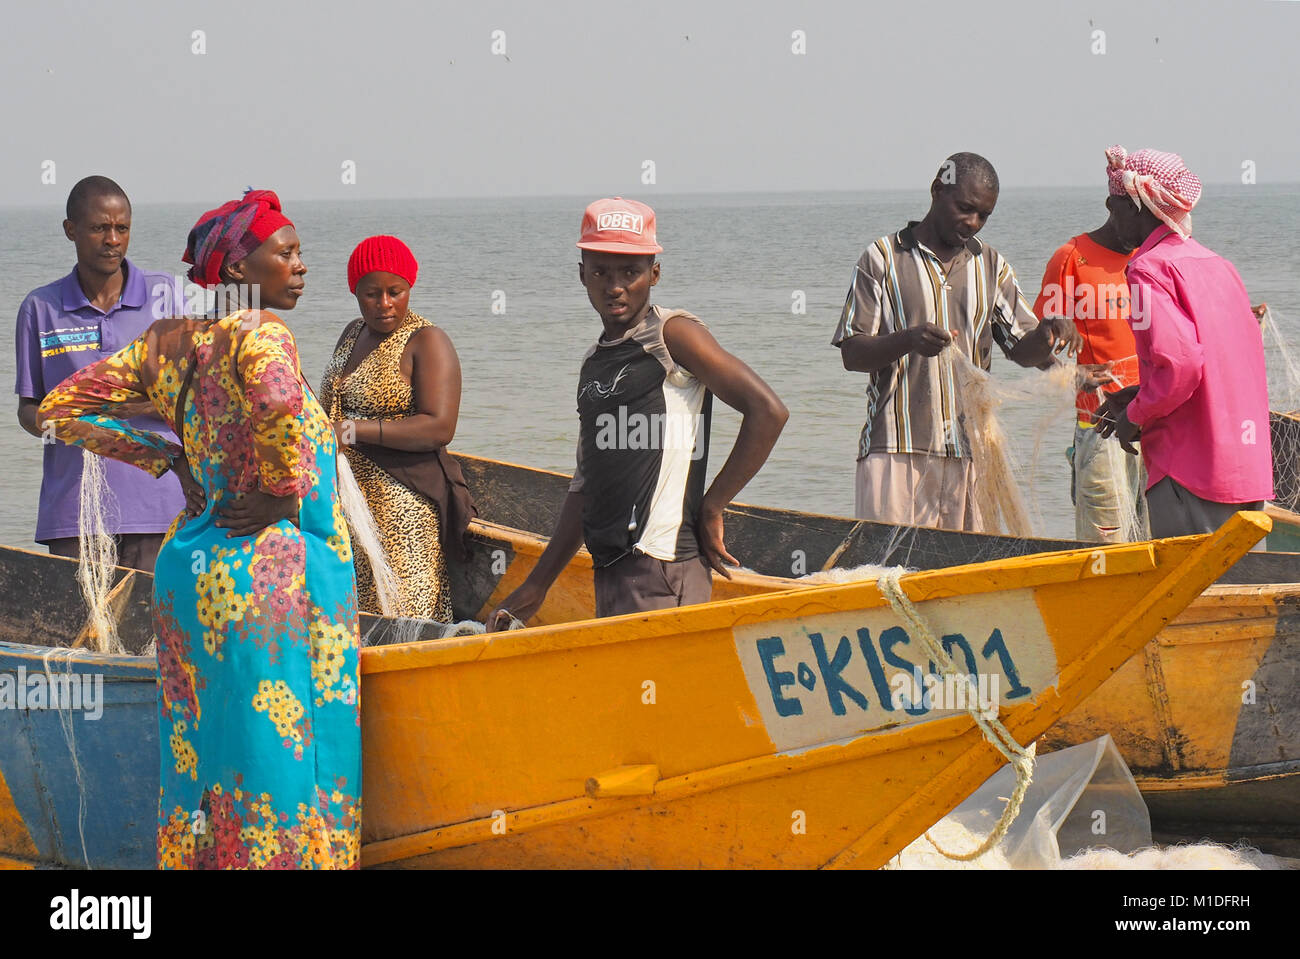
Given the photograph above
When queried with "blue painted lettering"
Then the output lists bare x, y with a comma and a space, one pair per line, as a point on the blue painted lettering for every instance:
836, 687
873, 667
999, 645
768, 650
957, 639
888, 640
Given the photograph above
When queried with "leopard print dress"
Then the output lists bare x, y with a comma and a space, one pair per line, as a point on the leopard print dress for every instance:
408, 523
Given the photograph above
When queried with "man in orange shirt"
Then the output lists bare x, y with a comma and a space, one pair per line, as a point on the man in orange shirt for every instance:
1085, 282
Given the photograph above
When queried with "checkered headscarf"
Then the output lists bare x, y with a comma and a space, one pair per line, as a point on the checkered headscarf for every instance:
1157, 180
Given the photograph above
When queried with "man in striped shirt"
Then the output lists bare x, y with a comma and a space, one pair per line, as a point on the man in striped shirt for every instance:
919, 295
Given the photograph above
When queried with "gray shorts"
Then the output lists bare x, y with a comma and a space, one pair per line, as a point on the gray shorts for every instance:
1175, 510
638, 583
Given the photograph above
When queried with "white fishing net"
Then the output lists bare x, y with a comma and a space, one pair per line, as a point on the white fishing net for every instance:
1284, 401
1009, 491
850, 575
1280, 360
365, 533
96, 567
999, 481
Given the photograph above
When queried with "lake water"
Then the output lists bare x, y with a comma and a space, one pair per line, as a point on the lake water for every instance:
735, 260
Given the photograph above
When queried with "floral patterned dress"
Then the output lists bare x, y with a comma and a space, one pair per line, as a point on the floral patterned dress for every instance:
257, 635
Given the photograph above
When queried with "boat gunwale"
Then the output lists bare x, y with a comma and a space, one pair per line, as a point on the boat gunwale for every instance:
538, 639
1216, 778
1038, 569
132, 662
784, 512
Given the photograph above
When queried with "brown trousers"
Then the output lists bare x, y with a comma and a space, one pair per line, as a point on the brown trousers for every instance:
638, 583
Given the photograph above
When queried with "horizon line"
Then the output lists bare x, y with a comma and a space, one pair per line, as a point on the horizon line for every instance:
667, 193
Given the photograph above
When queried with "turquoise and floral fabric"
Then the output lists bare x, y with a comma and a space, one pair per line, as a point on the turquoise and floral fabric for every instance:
259, 705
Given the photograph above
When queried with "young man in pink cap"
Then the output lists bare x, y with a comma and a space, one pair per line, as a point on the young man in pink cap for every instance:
1201, 404
637, 498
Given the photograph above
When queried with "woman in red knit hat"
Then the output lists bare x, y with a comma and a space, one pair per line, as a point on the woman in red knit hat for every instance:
392, 390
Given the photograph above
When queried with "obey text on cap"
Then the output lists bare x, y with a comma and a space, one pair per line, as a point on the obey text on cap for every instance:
627, 222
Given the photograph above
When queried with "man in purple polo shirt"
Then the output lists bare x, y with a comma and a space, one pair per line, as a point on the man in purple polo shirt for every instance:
94, 311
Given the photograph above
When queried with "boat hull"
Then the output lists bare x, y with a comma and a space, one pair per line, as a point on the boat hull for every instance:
1176, 713
1208, 719
79, 787
652, 740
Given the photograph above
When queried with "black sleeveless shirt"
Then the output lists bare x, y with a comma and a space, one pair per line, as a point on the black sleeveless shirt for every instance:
643, 446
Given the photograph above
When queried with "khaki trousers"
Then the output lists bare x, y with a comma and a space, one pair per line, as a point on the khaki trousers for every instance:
918, 489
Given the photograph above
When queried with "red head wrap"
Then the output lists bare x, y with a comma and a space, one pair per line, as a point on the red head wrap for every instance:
231, 232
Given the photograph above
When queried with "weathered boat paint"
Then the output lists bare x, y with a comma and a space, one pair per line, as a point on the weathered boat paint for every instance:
1178, 752
540, 747
84, 788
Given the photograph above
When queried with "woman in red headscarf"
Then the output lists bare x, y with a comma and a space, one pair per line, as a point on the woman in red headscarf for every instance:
254, 595
393, 392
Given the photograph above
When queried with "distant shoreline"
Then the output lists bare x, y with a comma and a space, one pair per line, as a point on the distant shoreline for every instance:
58, 198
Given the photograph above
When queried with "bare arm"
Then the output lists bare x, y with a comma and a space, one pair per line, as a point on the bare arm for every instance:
1039, 347
565, 541
435, 388
764, 416
27, 408
865, 353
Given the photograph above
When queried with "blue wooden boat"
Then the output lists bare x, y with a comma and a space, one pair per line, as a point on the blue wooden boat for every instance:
78, 786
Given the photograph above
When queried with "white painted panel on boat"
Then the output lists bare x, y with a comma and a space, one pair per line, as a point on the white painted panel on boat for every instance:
831, 677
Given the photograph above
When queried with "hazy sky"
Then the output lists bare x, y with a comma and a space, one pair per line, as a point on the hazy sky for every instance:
285, 94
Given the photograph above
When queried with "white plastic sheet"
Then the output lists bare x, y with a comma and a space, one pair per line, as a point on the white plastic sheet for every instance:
1080, 797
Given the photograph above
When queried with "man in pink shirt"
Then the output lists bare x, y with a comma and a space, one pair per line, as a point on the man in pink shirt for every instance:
1201, 407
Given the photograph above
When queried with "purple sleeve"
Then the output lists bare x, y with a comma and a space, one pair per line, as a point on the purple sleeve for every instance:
1168, 349
27, 348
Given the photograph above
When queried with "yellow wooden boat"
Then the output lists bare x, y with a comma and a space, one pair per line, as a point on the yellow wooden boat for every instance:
757, 731
1207, 718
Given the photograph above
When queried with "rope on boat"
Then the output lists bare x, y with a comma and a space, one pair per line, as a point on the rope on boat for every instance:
1020, 758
